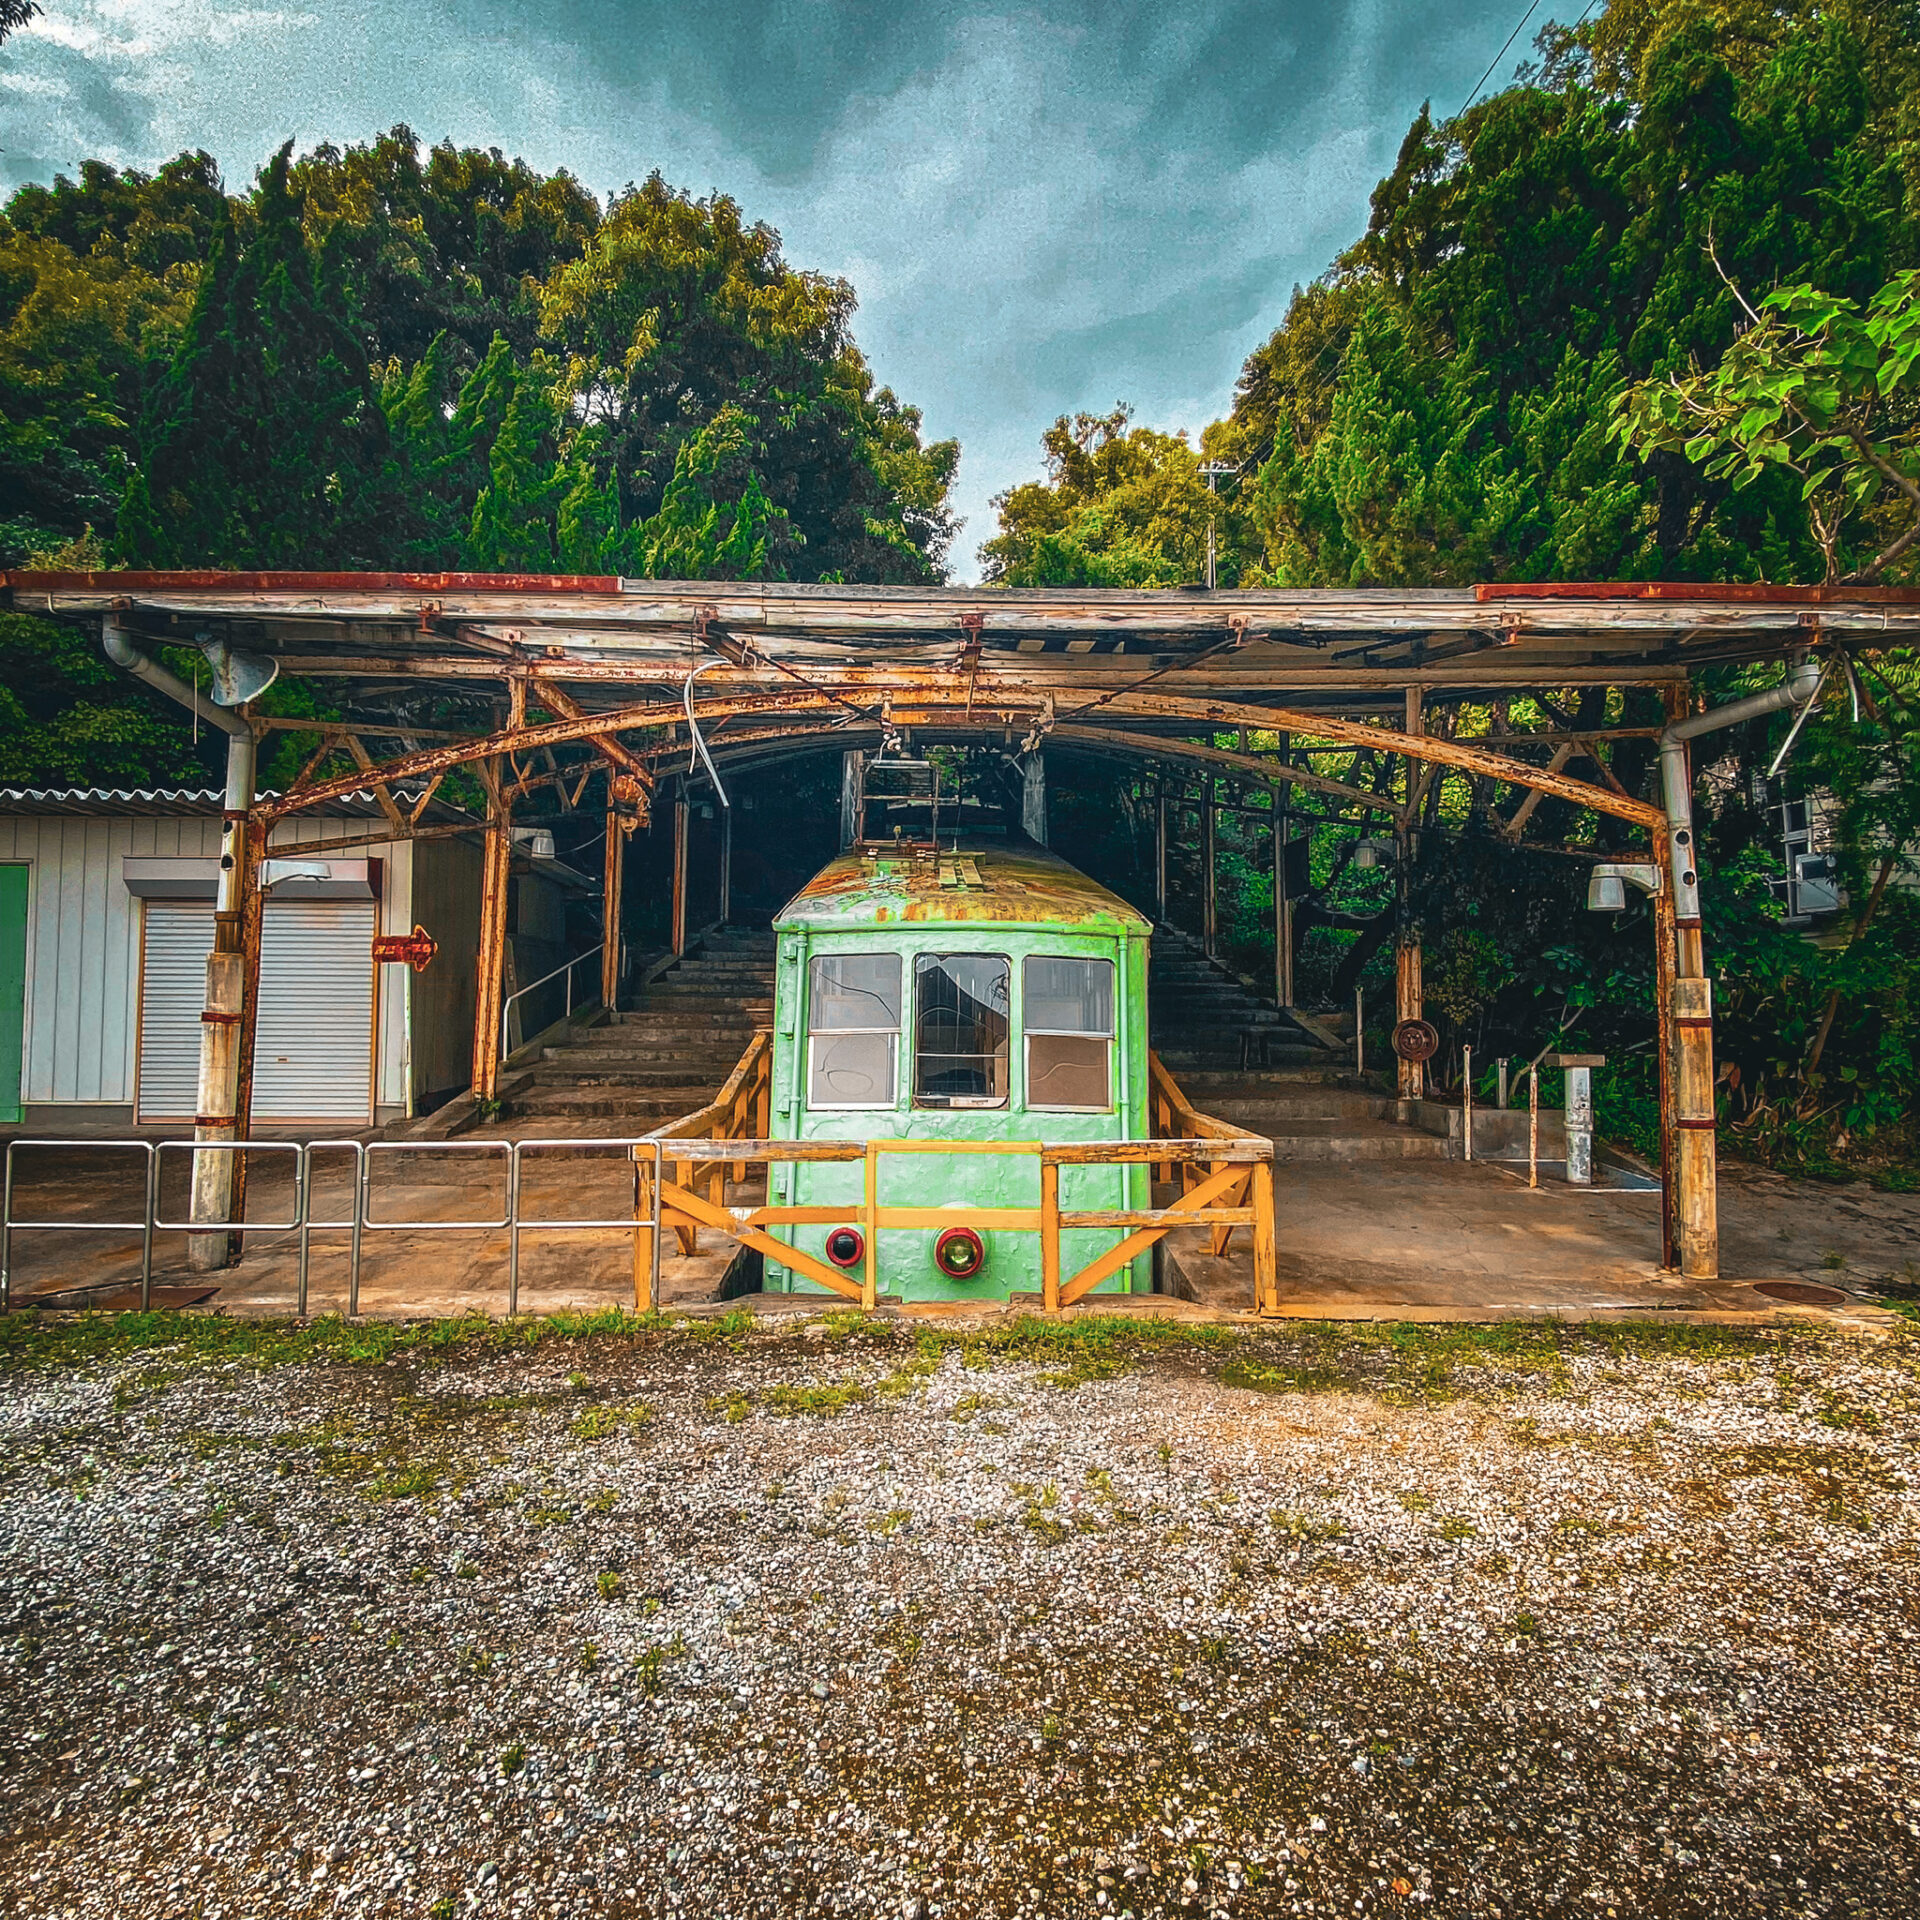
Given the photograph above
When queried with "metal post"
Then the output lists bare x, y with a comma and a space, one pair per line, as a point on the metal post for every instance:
217, 1096
726, 865
1579, 1124
1160, 849
1666, 1040
490, 963
680, 812
612, 887
1282, 908
1466, 1080
1409, 1000
1033, 798
252, 928
1359, 1032
1501, 1101
1209, 908
1408, 1003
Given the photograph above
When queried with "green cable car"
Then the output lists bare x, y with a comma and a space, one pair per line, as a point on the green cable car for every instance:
968, 993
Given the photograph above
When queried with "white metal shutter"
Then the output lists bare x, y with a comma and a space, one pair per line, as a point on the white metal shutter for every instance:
173, 989
313, 1049
313, 1046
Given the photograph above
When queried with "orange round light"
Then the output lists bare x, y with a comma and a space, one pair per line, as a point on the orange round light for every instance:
959, 1253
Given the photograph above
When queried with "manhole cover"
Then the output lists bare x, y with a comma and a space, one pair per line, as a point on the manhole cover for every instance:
1802, 1293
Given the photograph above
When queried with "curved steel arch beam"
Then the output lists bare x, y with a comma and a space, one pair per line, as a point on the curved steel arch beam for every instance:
1161, 708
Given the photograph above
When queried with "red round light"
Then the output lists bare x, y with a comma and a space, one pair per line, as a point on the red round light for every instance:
959, 1253
846, 1246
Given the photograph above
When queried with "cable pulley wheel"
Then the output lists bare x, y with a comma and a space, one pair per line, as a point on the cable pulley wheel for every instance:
1416, 1040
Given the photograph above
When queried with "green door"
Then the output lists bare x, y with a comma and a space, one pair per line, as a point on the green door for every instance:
13, 987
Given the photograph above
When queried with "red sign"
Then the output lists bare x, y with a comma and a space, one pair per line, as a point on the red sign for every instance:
413, 949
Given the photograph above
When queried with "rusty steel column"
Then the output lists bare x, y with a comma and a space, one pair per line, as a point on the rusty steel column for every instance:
1696, 1201
252, 913
490, 961
1407, 1005
613, 883
726, 865
1663, 967
216, 1100
680, 811
1160, 849
1409, 998
1209, 903
1282, 908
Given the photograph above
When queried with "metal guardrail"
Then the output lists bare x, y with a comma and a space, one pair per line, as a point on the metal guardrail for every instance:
534, 986
361, 1219
1231, 1188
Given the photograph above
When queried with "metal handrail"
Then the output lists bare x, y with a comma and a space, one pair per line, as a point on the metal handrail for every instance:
520, 993
659, 1200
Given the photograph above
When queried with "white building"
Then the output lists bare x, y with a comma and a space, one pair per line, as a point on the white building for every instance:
106, 920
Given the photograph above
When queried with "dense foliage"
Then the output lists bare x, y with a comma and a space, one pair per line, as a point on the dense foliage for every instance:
379, 358
1542, 361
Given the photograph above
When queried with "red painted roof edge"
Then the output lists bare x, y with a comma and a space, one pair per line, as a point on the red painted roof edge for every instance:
1684, 590
319, 582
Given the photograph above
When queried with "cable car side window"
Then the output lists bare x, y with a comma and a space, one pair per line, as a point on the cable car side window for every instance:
1068, 1018
960, 1029
853, 1030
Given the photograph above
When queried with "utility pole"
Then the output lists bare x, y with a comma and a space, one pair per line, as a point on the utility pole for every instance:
1213, 469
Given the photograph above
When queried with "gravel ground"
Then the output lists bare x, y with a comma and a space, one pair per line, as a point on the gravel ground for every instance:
833, 1619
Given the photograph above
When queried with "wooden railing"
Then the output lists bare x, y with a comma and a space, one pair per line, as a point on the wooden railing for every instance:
1225, 1173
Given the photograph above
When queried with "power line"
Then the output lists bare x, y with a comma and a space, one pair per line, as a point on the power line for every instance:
1498, 57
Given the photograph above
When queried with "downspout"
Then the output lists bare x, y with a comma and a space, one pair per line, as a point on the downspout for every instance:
216, 1118
1691, 1042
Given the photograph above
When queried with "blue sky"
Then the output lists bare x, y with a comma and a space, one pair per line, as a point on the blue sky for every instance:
1042, 208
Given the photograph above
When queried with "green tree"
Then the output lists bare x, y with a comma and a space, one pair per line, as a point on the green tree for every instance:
262, 442
1824, 388
1121, 506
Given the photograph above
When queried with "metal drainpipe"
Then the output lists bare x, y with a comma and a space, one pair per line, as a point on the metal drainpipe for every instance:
225, 1006
1692, 1039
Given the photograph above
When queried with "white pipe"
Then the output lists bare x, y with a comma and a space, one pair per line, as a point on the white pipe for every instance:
120, 649
1799, 687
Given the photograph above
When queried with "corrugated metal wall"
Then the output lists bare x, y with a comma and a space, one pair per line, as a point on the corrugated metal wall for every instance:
83, 945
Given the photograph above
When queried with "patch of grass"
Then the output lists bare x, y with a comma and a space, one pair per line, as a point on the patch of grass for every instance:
597, 1423
736, 1406
1452, 1527
1525, 1625
512, 1759
1297, 1527
890, 1523
609, 1585
816, 1402
1259, 1376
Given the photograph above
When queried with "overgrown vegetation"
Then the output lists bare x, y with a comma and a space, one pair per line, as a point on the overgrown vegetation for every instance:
1648, 314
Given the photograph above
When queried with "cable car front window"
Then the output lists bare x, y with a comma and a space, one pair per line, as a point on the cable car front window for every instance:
1068, 1017
960, 1029
853, 1030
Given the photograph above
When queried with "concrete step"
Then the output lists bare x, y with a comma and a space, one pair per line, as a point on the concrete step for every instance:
1304, 1111
696, 1073
681, 1019
638, 1058
1226, 1083
1182, 1062
1355, 1140
640, 1111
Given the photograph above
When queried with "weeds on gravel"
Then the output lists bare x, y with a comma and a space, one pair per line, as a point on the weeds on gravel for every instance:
597, 1423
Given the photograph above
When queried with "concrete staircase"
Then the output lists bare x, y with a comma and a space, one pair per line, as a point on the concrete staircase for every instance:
667, 1055
1301, 1095
1200, 1015
1312, 1114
